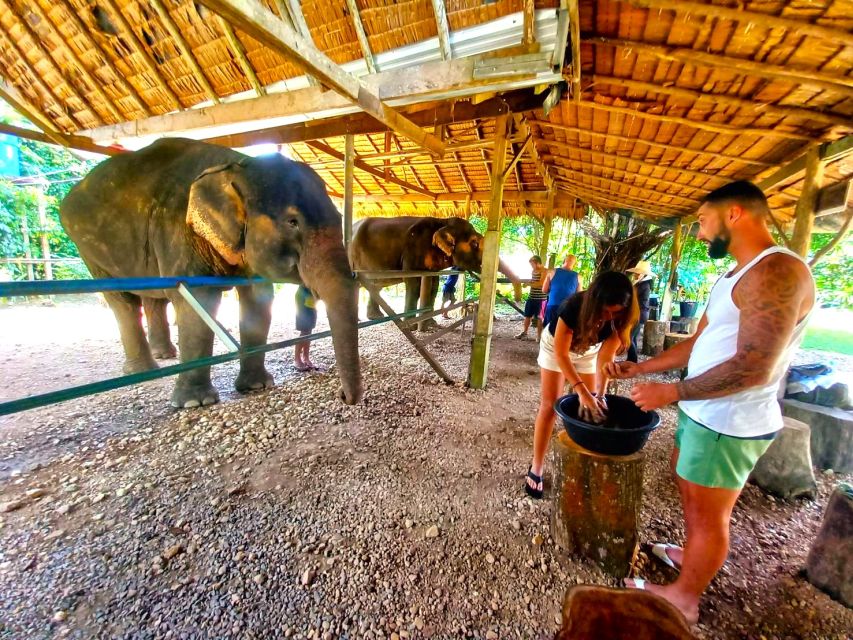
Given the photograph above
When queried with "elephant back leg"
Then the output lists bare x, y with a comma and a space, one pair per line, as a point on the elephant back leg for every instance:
255, 319
428, 291
158, 328
195, 340
127, 309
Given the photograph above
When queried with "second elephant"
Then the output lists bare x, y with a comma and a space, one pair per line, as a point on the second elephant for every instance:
411, 243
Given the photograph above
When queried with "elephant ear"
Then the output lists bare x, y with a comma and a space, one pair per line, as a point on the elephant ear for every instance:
216, 212
444, 240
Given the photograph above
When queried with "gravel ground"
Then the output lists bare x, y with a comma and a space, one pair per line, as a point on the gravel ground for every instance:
287, 514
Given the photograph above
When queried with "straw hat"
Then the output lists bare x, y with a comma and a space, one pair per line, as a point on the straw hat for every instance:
644, 268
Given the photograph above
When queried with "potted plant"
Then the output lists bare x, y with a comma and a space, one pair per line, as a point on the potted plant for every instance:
693, 290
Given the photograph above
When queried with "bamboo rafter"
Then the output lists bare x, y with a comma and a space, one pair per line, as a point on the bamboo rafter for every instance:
627, 185
361, 34
594, 191
239, 53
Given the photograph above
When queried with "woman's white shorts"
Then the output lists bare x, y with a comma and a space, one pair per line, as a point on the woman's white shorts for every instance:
583, 363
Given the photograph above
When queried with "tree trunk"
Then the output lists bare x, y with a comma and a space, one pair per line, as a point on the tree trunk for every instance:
597, 503
785, 469
831, 555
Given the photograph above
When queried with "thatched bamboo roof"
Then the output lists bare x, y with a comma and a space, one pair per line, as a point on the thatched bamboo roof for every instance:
669, 99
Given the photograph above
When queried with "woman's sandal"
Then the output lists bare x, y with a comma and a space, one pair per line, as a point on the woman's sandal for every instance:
536, 494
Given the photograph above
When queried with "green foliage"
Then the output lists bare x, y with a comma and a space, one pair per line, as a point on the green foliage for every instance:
834, 273
697, 273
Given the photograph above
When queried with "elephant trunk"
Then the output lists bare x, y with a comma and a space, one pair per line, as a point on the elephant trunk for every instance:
325, 269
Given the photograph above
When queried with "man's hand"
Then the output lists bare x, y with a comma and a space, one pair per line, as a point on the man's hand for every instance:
654, 395
622, 370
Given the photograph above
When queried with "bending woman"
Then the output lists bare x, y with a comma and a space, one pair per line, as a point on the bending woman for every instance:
590, 328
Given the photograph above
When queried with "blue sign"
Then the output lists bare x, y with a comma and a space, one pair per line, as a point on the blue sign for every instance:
10, 157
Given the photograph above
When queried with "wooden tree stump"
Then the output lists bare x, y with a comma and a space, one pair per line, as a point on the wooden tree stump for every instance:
597, 503
672, 339
620, 614
829, 565
653, 336
785, 469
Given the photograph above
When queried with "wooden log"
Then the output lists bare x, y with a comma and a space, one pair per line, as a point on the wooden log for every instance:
831, 554
654, 333
596, 504
672, 339
785, 469
591, 611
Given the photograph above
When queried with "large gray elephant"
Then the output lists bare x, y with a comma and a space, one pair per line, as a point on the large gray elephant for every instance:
411, 243
186, 208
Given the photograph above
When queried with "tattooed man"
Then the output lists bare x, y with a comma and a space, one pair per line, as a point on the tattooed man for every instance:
728, 403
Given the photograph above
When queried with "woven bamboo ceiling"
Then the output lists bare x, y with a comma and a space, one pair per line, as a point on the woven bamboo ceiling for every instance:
642, 104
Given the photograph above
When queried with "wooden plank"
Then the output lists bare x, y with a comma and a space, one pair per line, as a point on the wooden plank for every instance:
139, 49
798, 26
62, 139
829, 151
443, 29
349, 158
184, 48
516, 157
361, 34
715, 127
528, 27
842, 85
253, 18
806, 205
482, 339
325, 148
240, 53
759, 108
93, 82
649, 143
374, 293
575, 39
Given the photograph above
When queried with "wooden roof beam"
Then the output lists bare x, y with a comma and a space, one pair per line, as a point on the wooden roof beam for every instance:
650, 143
760, 108
184, 48
626, 185
140, 50
93, 44
615, 195
65, 140
239, 52
575, 39
443, 28
47, 57
361, 34
253, 18
20, 104
715, 127
842, 85
93, 82
828, 152
749, 18
611, 203
376, 173
523, 126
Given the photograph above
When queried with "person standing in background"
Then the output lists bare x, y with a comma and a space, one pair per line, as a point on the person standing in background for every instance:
535, 300
306, 320
560, 283
642, 276
448, 293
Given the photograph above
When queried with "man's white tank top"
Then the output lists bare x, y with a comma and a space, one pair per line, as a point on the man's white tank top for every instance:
751, 412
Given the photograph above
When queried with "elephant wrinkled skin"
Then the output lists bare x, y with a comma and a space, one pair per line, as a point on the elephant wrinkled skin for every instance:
186, 208
411, 243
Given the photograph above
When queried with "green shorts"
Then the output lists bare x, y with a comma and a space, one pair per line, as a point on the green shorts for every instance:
712, 459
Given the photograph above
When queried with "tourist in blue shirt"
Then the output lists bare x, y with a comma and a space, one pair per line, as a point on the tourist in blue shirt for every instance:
560, 283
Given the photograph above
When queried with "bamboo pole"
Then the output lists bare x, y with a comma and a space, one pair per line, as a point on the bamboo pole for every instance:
547, 223
612, 202
818, 256
806, 205
482, 340
349, 175
575, 39
45, 241
184, 48
713, 127
28, 252
674, 257
443, 28
842, 85
760, 108
617, 196
650, 143
240, 53
143, 54
361, 34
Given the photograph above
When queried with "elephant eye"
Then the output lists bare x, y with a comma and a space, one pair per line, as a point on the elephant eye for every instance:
293, 222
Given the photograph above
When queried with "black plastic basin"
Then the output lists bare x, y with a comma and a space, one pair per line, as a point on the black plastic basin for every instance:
624, 432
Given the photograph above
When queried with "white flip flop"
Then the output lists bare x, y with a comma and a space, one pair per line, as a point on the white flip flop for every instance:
659, 550
638, 583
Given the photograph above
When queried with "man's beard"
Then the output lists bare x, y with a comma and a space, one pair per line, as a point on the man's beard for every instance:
719, 247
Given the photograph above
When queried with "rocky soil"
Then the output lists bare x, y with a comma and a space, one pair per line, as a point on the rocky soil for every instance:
287, 514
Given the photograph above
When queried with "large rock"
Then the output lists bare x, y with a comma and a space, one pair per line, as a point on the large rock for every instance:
785, 469
832, 433
829, 565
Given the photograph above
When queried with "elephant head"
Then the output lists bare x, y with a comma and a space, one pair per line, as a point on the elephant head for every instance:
271, 217
459, 240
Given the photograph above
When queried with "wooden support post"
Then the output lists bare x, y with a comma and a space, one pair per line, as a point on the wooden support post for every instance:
596, 504
45, 243
349, 158
805, 212
479, 367
674, 257
28, 254
547, 223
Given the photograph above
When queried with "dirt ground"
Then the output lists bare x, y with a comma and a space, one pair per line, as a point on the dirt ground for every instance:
286, 514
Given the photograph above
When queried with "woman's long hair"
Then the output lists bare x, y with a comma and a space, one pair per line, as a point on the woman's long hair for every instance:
609, 288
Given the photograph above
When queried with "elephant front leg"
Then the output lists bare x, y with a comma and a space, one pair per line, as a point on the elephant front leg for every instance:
127, 309
158, 328
195, 340
255, 319
428, 291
